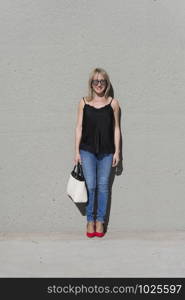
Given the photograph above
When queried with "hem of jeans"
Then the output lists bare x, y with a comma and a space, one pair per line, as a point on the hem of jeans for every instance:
100, 220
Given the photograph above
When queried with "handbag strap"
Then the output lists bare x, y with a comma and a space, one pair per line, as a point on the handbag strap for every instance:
79, 172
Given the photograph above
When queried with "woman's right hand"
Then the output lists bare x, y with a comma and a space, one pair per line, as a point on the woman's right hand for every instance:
77, 159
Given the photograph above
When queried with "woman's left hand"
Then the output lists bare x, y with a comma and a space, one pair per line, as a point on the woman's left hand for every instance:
115, 159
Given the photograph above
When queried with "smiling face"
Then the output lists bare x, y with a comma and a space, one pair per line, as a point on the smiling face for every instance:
99, 84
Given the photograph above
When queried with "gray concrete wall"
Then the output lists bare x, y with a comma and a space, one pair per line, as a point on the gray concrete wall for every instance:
47, 49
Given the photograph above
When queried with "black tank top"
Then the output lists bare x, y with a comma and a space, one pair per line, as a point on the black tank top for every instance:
98, 129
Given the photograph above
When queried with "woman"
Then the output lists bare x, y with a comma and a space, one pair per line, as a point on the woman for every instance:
97, 145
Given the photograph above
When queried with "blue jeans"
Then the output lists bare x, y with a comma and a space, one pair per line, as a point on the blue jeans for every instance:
99, 164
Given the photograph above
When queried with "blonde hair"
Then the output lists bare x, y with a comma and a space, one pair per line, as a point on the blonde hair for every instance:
90, 89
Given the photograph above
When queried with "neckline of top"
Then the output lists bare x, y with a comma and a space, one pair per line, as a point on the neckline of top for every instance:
97, 107
101, 106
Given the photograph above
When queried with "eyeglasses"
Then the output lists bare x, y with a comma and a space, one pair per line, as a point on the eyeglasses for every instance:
102, 82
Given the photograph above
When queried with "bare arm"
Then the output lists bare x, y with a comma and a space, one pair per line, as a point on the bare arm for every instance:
78, 129
117, 126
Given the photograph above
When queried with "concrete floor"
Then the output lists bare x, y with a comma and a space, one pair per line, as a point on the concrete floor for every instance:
72, 254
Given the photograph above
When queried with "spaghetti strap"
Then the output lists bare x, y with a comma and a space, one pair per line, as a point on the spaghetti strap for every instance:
84, 100
111, 101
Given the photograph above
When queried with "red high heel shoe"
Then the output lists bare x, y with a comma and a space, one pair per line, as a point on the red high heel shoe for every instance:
100, 234
91, 234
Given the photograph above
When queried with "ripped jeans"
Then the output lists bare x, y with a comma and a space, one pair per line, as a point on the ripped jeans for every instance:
96, 169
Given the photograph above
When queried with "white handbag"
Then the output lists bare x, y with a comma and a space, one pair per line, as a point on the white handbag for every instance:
76, 188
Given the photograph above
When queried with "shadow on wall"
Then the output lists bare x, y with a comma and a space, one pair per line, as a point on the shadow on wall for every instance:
115, 171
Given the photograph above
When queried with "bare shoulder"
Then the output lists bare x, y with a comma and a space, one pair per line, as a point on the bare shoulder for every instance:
115, 104
81, 102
